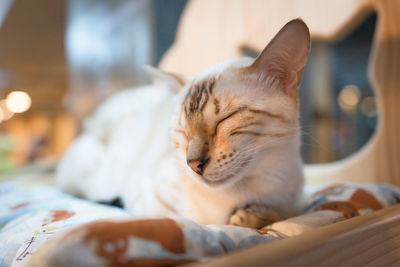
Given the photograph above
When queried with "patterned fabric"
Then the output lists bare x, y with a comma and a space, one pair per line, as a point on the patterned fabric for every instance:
107, 236
29, 215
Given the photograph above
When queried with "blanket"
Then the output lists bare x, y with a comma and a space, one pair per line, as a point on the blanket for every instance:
41, 226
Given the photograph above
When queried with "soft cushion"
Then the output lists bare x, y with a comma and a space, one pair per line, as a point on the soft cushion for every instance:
75, 232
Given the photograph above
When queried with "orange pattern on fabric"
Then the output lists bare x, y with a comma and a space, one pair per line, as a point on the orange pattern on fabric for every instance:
346, 208
112, 240
57, 215
361, 199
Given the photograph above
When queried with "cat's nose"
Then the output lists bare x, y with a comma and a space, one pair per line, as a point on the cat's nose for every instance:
198, 165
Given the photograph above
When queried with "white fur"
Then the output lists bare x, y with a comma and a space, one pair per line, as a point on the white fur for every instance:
122, 150
125, 151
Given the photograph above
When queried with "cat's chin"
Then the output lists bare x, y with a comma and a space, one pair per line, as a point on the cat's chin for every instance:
216, 183
222, 182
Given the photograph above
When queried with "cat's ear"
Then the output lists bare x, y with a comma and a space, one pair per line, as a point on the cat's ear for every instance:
172, 81
285, 57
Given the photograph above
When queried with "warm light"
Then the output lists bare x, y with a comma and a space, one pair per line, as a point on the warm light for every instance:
1, 115
18, 101
349, 97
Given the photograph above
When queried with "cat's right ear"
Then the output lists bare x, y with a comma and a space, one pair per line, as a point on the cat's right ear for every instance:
285, 57
173, 82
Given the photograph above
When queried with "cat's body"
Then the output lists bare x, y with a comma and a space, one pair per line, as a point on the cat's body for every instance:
232, 155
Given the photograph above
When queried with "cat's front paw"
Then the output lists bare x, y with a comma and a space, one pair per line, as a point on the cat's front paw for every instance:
254, 216
245, 219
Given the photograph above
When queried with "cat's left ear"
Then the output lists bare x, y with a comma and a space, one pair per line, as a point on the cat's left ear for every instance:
174, 82
285, 57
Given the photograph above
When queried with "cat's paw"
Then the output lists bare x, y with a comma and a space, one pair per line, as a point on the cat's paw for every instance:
254, 216
245, 219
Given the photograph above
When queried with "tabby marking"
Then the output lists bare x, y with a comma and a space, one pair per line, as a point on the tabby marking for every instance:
197, 97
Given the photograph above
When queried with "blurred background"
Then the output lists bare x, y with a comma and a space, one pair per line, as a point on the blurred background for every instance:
60, 59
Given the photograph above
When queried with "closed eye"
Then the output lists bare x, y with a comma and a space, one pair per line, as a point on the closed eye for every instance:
229, 116
248, 133
244, 128
279, 135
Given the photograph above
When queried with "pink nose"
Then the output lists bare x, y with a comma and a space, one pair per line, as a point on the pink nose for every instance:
198, 165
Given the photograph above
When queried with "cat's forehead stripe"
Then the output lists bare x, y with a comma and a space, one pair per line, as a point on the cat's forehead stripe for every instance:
198, 96
217, 106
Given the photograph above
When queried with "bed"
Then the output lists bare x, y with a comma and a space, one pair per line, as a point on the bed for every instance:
346, 239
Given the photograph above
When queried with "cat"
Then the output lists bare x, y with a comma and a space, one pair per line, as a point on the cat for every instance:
219, 148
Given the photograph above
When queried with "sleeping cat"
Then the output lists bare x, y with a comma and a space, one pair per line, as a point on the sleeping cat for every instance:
232, 152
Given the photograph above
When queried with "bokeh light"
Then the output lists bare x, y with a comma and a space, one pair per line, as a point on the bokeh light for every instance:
349, 97
18, 101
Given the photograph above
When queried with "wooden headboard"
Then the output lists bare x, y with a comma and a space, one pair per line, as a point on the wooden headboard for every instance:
212, 31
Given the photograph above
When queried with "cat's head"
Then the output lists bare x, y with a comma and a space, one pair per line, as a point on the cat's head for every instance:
234, 113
